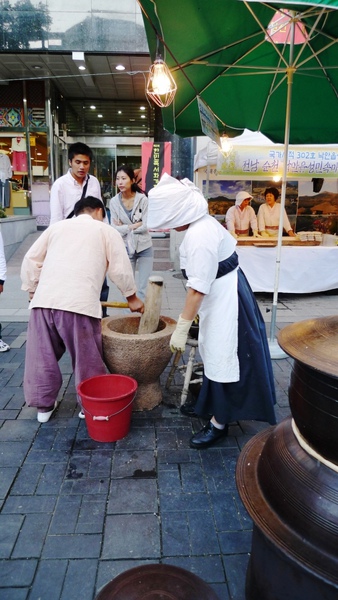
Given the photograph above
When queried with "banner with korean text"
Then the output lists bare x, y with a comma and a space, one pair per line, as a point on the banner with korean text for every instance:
267, 161
156, 160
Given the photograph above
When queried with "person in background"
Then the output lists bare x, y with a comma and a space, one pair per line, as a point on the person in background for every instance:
63, 273
269, 213
241, 217
3, 270
76, 184
238, 380
128, 214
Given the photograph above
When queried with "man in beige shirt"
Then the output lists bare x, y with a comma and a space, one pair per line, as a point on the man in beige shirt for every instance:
63, 272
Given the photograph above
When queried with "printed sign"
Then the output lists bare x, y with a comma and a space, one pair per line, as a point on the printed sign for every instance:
268, 161
156, 160
208, 121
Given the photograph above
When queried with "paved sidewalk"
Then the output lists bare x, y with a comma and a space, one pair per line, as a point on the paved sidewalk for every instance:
75, 513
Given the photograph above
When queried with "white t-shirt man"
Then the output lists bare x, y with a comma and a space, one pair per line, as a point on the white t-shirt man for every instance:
66, 191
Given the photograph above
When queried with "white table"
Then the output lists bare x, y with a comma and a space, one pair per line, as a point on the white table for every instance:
303, 269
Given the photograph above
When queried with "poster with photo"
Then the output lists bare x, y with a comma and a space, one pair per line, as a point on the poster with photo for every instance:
318, 206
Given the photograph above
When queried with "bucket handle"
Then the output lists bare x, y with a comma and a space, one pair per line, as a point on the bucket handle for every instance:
102, 418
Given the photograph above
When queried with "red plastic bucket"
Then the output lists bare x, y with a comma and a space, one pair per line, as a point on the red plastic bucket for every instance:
107, 402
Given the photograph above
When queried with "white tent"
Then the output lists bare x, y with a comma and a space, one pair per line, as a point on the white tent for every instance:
209, 154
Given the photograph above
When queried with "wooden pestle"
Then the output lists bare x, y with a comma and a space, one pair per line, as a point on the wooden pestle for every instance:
152, 305
115, 304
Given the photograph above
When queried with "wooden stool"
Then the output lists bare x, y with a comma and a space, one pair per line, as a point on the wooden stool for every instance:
188, 368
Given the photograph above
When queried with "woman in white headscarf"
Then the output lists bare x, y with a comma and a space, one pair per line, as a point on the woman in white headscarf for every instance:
238, 380
240, 217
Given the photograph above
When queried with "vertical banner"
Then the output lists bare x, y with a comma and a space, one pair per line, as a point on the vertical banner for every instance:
156, 160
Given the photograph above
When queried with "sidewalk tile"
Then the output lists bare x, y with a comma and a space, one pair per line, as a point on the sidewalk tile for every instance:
72, 546
79, 582
32, 536
9, 526
49, 579
133, 496
17, 573
131, 536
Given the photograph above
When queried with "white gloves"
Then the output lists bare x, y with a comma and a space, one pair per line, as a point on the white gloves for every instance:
264, 234
233, 234
178, 339
256, 234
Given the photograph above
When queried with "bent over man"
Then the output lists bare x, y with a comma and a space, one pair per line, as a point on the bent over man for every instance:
63, 272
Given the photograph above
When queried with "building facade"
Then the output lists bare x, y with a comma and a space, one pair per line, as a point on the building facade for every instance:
73, 73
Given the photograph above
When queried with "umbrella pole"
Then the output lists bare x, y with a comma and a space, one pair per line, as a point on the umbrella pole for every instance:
275, 350
206, 195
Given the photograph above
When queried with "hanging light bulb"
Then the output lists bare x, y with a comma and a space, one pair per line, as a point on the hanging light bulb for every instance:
161, 86
226, 144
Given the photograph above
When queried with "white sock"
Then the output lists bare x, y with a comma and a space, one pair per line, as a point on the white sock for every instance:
216, 424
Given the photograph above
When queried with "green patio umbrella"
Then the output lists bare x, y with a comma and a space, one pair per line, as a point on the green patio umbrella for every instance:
266, 66
219, 50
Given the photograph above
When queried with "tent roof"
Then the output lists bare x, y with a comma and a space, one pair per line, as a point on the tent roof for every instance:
208, 154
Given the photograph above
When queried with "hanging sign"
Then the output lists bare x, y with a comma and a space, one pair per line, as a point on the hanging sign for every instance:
208, 121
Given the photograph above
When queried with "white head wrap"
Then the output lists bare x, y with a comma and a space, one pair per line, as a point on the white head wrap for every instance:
241, 196
173, 203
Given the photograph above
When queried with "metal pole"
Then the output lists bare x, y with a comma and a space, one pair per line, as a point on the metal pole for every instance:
275, 350
50, 134
206, 194
28, 147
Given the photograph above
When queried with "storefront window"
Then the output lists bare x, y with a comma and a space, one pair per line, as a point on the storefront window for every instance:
23, 184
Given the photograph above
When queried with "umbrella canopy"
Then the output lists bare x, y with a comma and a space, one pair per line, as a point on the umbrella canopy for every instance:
271, 67
236, 56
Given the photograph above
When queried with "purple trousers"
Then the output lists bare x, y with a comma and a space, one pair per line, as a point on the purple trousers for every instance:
50, 333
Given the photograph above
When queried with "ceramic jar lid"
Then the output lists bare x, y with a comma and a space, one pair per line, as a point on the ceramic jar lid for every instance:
152, 582
313, 342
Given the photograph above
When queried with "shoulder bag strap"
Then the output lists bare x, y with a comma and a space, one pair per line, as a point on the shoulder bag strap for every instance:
83, 195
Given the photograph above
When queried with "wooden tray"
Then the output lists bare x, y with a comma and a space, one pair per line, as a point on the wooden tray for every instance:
270, 242
264, 244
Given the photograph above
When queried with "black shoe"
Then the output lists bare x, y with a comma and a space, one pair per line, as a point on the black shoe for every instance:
207, 436
188, 410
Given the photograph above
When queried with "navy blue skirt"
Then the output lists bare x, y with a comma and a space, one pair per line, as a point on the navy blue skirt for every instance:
253, 396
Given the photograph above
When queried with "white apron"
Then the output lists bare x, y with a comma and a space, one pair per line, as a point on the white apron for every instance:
206, 243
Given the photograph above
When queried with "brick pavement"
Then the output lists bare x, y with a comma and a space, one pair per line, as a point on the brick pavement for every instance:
75, 513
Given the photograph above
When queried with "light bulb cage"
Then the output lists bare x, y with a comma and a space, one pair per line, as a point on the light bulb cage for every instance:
161, 99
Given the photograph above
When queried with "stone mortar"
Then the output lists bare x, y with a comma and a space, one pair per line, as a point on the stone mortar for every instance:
143, 357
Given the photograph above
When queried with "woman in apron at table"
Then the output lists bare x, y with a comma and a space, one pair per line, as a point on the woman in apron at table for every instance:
241, 217
269, 213
238, 381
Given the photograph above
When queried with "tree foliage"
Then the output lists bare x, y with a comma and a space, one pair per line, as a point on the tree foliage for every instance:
23, 23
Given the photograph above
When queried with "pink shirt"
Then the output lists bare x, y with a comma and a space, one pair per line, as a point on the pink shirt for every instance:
67, 264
